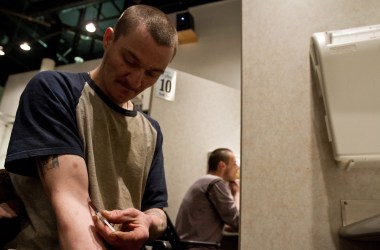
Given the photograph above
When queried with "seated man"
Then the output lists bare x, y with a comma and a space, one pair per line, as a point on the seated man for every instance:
212, 201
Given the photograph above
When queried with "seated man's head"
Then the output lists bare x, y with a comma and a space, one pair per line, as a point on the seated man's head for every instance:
222, 162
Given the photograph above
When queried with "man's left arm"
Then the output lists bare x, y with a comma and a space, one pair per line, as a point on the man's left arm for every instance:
159, 222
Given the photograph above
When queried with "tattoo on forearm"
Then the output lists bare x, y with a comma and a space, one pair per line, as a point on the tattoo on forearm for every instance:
159, 213
158, 227
47, 163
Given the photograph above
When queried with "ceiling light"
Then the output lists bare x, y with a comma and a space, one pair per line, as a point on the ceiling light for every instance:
1, 51
90, 27
78, 59
25, 46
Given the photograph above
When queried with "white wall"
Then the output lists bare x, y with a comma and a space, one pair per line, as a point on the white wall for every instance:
12, 92
217, 54
204, 116
291, 186
17, 82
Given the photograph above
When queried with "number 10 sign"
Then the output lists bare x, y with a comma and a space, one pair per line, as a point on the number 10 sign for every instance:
165, 85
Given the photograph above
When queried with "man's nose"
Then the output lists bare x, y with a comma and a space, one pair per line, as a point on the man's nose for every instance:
135, 78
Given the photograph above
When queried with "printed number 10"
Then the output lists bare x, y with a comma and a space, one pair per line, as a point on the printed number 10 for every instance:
166, 85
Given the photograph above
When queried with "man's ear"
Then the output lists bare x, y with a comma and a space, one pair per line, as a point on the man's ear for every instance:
107, 37
222, 165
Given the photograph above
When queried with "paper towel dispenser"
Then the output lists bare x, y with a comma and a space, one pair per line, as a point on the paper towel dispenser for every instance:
346, 69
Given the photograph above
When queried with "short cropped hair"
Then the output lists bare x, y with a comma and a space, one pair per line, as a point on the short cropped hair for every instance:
219, 154
155, 21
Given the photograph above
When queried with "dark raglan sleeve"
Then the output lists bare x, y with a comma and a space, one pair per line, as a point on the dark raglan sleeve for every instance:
45, 122
155, 194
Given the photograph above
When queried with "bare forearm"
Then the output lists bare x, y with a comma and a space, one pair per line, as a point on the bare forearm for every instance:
158, 224
66, 184
74, 226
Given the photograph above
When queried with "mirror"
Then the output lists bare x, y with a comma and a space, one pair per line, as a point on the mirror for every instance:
206, 111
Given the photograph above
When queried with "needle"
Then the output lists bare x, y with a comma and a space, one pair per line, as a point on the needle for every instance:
99, 215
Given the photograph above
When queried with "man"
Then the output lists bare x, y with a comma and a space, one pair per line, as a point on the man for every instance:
77, 137
212, 201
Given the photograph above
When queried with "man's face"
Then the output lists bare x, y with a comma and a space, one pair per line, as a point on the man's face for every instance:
131, 64
231, 168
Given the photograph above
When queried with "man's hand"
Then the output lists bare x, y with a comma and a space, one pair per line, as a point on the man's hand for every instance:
9, 209
235, 187
134, 231
235, 191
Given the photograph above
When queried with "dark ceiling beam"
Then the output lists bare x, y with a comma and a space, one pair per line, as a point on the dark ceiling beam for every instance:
25, 17
175, 6
77, 38
128, 3
79, 31
47, 37
108, 18
48, 6
91, 49
22, 66
21, 31
116, 7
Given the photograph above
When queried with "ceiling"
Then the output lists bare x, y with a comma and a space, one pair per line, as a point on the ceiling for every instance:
55, 29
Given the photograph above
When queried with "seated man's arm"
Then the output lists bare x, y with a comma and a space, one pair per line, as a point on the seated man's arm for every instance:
235, 191
65, 181
225, 203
